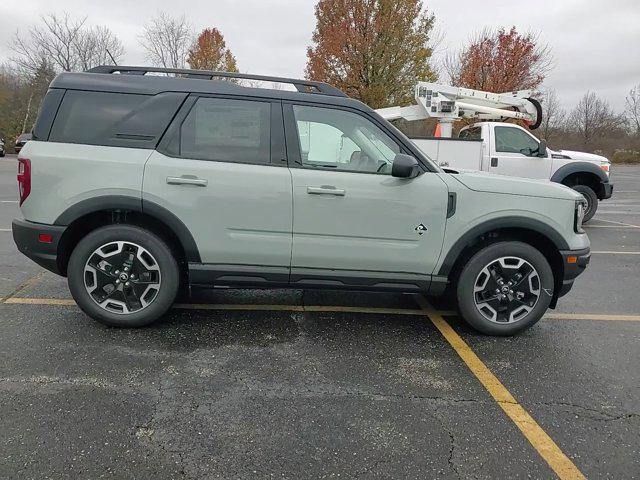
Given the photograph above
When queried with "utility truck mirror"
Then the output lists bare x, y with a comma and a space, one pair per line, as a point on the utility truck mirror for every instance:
542, 148
405, 166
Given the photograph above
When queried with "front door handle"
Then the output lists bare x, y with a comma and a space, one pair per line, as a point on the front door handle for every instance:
187, 180
326, 190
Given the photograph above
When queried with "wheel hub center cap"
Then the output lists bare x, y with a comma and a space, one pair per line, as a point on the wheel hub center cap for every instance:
505, 289
124, 277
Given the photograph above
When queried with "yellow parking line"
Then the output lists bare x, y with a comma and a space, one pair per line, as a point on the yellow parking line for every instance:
40, 301
319, 308
543, 443
29, 282
591, 316
239, 307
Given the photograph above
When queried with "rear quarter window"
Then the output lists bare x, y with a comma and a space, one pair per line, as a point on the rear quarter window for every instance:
88, 117
114, 119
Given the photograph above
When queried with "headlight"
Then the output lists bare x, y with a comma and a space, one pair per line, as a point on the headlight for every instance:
579, 216
605, 167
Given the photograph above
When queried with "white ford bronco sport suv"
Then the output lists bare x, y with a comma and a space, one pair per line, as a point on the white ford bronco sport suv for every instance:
136, 184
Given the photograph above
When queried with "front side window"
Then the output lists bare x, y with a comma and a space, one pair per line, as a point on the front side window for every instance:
227, 131
514, 140
342, 140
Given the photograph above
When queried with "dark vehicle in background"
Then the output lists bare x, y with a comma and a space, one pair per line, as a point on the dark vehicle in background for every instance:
2, 151
20, 141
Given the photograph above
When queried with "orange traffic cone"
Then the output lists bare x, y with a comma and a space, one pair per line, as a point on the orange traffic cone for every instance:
438, 133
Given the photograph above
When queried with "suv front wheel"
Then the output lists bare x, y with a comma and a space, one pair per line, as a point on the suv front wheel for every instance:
123, 275
505, 288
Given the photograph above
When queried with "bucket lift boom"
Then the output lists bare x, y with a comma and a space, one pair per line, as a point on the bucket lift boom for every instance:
447, 104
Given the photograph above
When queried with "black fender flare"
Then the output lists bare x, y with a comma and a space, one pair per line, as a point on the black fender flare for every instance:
578, 167
133, 204
498, 224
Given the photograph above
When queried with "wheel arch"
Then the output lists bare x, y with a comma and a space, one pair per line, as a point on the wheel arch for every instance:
582, 173
107, 210
533, 232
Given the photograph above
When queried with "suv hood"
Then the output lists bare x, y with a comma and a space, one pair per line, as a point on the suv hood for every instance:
493, 183
581, 156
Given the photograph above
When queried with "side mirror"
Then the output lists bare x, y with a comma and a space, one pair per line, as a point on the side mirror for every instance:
542, 148
405, 166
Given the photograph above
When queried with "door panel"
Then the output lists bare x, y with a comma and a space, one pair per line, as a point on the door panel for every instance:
224, 175
242, 216
507, 157
371, 227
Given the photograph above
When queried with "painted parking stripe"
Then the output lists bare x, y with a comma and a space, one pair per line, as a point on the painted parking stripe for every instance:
618, 223
5, 229
562, 465
598, 317
68, 302
29, 282
609, 252
8, 201
592, 316
588, 227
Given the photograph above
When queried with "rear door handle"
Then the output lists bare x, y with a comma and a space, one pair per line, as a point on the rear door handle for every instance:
187, 180
494, 161
326, 190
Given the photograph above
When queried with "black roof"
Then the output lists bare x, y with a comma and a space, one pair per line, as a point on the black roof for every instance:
129, 79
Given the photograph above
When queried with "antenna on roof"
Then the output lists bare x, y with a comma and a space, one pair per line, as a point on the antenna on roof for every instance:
111, 57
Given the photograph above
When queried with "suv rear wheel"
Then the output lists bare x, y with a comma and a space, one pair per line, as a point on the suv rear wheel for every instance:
505, 288
123, 276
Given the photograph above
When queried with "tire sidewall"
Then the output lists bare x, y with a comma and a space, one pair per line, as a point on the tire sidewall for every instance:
484, 257
160, 251
592, 201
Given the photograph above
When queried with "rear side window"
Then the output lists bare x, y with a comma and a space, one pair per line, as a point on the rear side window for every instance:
227, 131
89, 117
474, 133
114, 119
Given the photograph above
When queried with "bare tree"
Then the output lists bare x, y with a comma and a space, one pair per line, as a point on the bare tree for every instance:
166, 40
633, 108
98, 46
593, 117
64, 42
554, 114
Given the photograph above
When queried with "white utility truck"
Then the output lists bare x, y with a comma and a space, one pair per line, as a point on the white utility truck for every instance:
499, 147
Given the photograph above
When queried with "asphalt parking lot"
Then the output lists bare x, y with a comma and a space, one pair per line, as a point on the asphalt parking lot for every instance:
294, 384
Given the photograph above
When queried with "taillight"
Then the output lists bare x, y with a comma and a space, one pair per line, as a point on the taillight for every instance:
24, 178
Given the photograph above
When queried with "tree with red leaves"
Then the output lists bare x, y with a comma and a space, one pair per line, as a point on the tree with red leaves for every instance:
210, 52
373, 50
500, 61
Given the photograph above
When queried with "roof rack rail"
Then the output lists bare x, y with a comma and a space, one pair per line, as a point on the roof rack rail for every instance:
303, 86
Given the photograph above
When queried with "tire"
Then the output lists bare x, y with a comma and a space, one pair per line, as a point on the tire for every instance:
500, 258
151, 289
591, 198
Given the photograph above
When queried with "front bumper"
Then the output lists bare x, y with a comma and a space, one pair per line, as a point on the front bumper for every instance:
607, 190
32, 239
574, 263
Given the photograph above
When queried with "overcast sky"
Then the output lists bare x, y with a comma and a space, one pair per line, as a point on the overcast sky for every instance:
595, 44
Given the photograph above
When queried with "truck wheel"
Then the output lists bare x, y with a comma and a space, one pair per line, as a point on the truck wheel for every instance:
505, 288
123, 276
591, 198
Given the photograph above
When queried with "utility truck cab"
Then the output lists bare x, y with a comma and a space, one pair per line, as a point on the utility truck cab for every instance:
509, 149
499, 147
